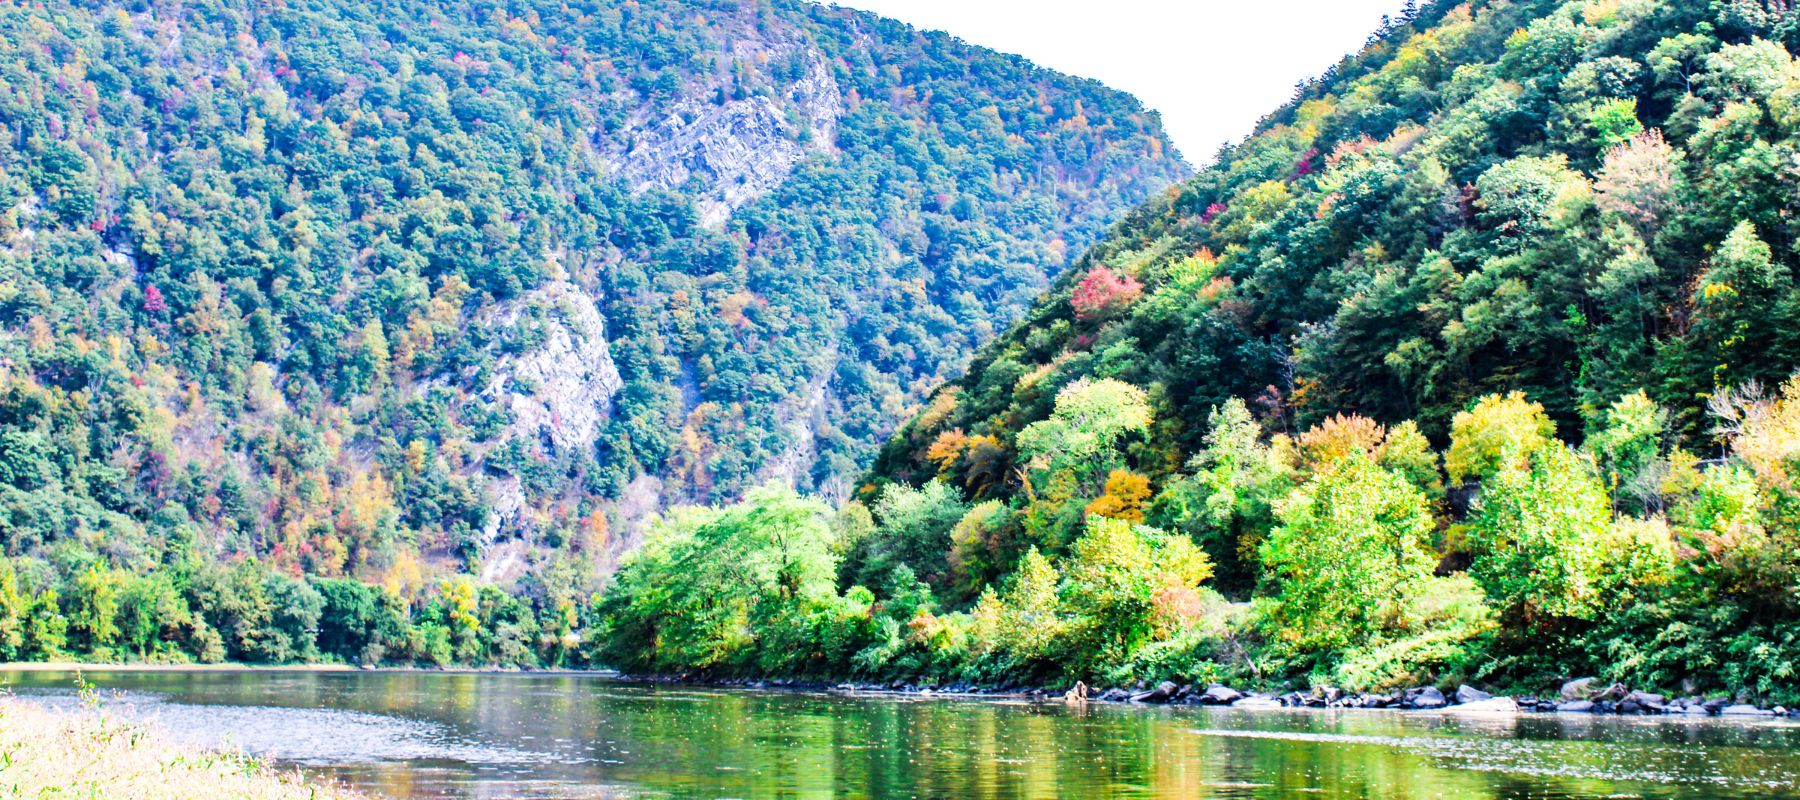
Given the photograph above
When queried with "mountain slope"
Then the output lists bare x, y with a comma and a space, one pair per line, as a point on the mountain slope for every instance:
348, 286
1496, 196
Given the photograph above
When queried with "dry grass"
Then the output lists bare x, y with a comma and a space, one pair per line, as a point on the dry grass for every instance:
45, 754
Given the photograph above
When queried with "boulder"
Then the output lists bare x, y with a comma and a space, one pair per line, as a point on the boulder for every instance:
1163, 693
1745, 710
1577, 689
1220, 695
1613, 693
1115, 695
1490, 706
1576, 707
1469, 694
1715, 705
1256, 701
1427, 697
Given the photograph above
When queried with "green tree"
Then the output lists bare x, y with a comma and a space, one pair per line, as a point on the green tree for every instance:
1538, 536
1349, 552
1125, 586
94, 611
913, 528
1228, 502
1083, 434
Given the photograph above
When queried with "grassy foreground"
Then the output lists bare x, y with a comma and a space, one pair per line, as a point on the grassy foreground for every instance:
49, 754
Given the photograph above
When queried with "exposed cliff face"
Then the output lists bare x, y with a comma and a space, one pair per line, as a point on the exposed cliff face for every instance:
725, 150
558, 391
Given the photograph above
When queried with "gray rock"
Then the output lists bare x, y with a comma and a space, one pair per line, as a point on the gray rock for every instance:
1163, 693
1745, 710
1492, 705
1613, 693
558, 392
1469, 694
1576, 707
1428, 697
1220, 695
1115, 695
1257, 701
1577, 689
1647, 699
737, 150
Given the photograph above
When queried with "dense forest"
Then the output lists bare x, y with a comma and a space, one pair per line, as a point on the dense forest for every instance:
357, 330
1474, 363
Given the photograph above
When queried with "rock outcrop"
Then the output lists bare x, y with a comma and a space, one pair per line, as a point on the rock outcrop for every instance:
558, 392
737, 149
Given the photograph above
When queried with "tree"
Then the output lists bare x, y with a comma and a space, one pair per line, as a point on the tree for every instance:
1349, 551
358, 623
1739, 312
1125, 586
153, 617
1498, 430
913, 528
14, 606
1102, 293
1124, 499
693, 597
1227, 503
1083, 433
1538, 537
1628, 445
94, 611
1639, 181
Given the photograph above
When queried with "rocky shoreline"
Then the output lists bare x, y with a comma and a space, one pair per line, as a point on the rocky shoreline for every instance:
1580, 696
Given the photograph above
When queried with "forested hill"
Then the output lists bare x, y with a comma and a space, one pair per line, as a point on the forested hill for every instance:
351, 287
1575, 200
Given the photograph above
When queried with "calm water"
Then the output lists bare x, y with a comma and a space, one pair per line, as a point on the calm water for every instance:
418, 735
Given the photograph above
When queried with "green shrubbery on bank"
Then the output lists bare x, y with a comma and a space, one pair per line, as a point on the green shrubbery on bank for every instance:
1544, 561
204, 612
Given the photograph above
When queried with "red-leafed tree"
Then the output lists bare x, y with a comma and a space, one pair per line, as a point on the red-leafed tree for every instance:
1102, 292
153, 300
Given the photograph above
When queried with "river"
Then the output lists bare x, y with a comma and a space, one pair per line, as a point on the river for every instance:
494, 735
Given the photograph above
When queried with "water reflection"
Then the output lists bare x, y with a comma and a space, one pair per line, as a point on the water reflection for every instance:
432, 735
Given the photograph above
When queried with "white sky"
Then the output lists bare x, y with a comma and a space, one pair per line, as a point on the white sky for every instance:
1212, 67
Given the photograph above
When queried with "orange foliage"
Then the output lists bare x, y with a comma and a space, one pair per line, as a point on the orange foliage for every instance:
1124, 499
947, 449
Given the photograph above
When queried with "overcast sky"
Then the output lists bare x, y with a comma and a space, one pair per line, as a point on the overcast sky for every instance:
1212, 67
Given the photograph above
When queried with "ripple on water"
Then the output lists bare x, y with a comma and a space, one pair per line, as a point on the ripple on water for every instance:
1544, 758
309, 736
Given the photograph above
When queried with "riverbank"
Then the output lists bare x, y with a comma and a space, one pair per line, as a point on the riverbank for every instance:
1581, 696
45, 753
